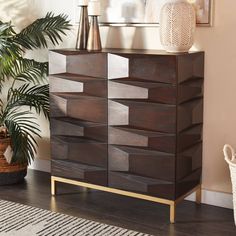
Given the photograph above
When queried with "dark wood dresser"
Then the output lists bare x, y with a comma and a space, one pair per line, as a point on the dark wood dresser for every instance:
128, 122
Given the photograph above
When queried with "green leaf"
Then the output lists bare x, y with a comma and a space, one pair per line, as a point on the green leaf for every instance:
34, 97
8, 46
27, 70
48, 28
22, 130
10, 51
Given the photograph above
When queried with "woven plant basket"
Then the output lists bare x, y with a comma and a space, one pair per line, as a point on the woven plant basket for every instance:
231, 160
9, 173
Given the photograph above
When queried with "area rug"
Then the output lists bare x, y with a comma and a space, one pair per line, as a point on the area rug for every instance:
21, 220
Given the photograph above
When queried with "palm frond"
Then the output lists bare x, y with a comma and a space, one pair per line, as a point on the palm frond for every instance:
27, 70
36, 34
34, 97
10, 51
8, 47
22, 130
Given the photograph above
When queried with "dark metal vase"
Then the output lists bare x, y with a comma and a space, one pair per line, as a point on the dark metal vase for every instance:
94, 39
82, 36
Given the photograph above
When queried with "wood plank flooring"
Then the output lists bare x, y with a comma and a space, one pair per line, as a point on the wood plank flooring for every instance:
134, 214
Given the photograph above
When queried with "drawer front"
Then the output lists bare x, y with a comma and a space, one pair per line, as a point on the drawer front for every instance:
153, 68
80, 172
129, 88
143, 185
88, 152
74, 127
142, 162
142, 115
142, 138
76, 106
72, 83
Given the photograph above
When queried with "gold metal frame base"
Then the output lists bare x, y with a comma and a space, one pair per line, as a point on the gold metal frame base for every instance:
171, 203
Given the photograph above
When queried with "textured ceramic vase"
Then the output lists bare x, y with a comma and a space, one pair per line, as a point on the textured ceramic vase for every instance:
177, 26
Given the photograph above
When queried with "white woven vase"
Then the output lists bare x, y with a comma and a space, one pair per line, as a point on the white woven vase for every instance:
177, 26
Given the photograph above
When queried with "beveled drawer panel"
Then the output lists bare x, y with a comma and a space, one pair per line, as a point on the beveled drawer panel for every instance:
87, 108
81, 172
141, 138
80, 150
72, 83
190, 114
154, 68
144, 185
142, 162
73, 127
188, 182
130, 88
142, 115
92, 64
189, 161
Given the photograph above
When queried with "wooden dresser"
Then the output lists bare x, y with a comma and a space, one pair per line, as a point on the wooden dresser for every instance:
128, 122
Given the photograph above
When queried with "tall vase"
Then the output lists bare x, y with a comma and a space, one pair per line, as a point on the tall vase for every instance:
94, 39
177, 26
82, 36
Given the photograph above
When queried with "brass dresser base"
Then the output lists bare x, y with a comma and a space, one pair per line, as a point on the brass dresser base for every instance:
171, 203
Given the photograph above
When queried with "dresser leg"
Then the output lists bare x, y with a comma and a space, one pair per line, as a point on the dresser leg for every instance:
172, 212
53, 186
199, 195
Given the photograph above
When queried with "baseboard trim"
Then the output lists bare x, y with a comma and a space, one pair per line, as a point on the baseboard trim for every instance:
208, 197
214, 198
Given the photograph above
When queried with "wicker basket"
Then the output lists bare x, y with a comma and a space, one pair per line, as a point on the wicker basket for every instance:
10, 173
232, 166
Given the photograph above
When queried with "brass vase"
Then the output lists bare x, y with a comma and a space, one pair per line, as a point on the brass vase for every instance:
94, 39
82, 36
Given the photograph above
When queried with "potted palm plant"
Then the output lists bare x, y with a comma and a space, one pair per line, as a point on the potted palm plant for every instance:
24, 92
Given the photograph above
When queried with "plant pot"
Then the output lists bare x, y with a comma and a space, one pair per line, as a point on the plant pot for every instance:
10, 173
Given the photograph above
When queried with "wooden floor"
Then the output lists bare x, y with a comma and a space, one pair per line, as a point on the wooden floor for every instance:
121, 211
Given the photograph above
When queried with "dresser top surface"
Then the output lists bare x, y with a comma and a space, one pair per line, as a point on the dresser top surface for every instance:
72, 51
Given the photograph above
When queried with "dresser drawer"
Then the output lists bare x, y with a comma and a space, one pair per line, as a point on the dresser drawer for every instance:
81, 172
142, 115
80, 150
142, 162
143, 185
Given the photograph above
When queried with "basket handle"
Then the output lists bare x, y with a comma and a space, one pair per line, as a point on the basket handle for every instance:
233, 155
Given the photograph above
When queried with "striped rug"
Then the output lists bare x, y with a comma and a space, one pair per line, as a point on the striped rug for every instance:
20, 220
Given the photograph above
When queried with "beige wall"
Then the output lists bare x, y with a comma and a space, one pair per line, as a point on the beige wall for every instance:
219, 43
